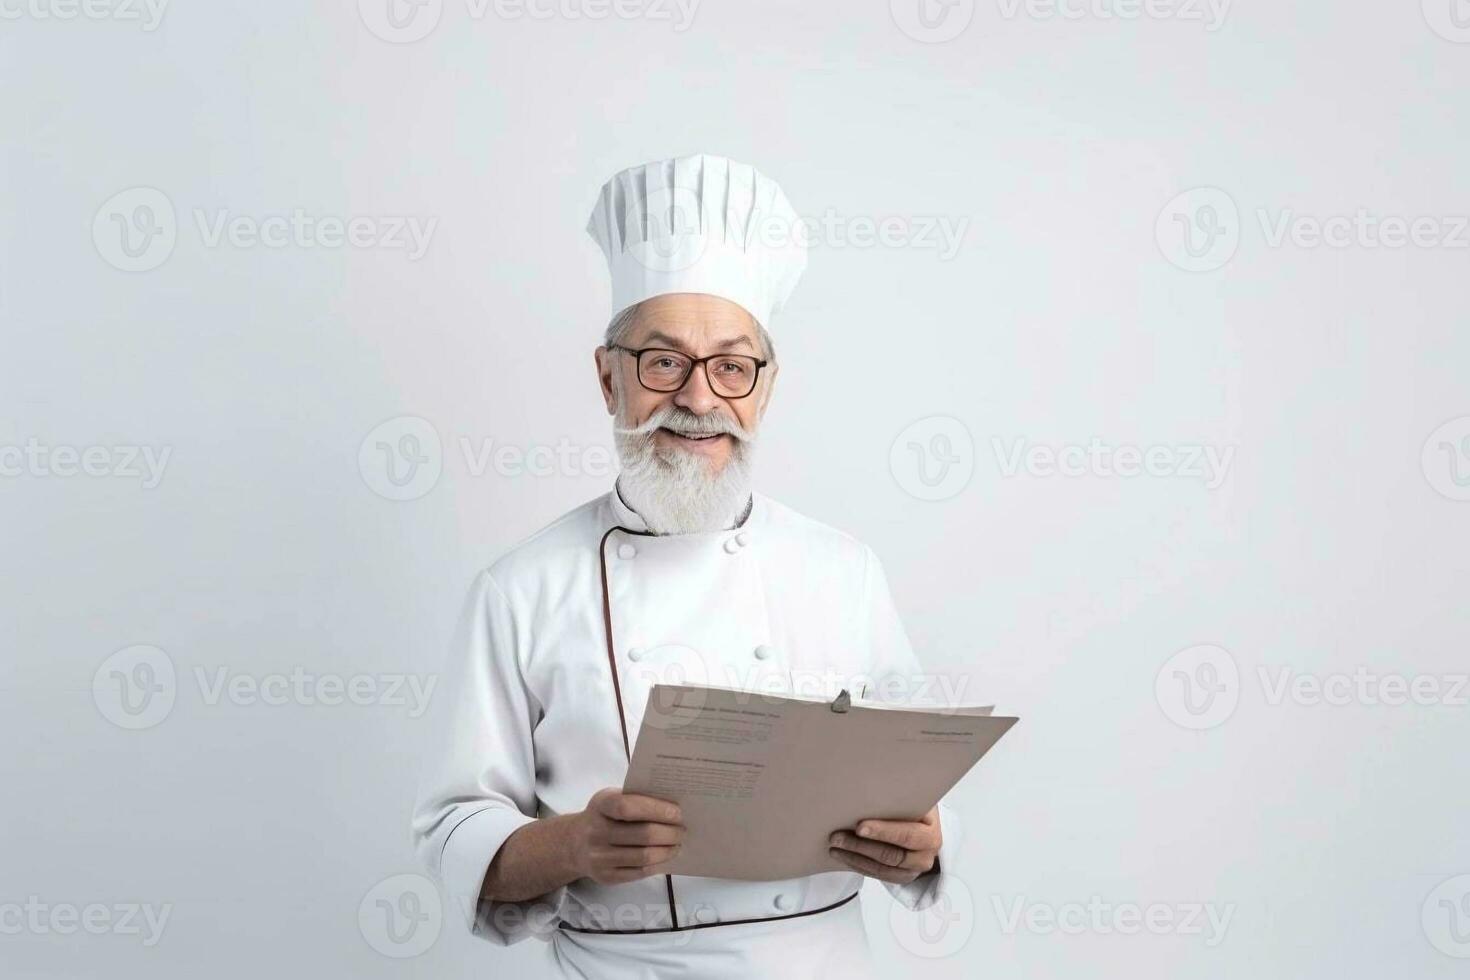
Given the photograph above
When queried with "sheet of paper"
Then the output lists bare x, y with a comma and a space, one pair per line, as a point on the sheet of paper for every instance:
763, 781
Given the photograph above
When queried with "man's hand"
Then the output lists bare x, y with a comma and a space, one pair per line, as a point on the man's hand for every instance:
623, 837
890, 850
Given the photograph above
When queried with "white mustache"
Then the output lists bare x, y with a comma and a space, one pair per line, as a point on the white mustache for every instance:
685, 422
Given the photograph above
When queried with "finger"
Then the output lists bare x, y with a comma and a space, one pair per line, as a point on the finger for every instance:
621, 876
908, 834
601, 798
890, 855
871, 868
632, 807
637, 857
641, 834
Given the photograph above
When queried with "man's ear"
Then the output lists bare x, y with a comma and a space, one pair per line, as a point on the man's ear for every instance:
605, 366
770, 389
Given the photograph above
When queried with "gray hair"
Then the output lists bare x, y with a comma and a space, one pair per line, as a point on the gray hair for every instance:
622, 325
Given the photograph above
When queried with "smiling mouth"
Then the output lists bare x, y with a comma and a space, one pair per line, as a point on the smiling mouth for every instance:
692, 437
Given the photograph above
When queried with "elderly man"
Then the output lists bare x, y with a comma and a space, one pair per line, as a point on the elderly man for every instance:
679, 574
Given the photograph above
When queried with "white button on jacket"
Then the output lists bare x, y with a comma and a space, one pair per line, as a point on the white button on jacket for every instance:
528, 721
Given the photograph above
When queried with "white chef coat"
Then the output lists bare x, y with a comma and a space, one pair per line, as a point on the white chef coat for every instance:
528, 724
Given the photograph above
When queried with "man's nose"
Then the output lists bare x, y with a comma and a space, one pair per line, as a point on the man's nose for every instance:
696, 395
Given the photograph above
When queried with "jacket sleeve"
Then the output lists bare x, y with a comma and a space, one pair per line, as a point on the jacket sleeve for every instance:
897, 671
478, 785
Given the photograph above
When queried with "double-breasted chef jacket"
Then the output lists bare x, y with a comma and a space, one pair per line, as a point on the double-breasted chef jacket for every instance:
530, 720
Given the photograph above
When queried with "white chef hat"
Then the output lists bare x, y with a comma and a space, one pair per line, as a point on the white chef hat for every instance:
699, 224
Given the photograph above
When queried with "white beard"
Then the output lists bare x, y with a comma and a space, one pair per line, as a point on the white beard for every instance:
673, 490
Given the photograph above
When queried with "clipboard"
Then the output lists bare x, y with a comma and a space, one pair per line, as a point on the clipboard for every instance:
763, 780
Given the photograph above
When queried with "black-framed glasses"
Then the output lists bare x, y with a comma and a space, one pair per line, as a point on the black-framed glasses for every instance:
664, 370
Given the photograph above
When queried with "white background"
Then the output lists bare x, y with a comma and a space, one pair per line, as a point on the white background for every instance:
1334, 543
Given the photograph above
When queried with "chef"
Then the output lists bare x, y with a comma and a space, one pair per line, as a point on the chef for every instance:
679, 574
